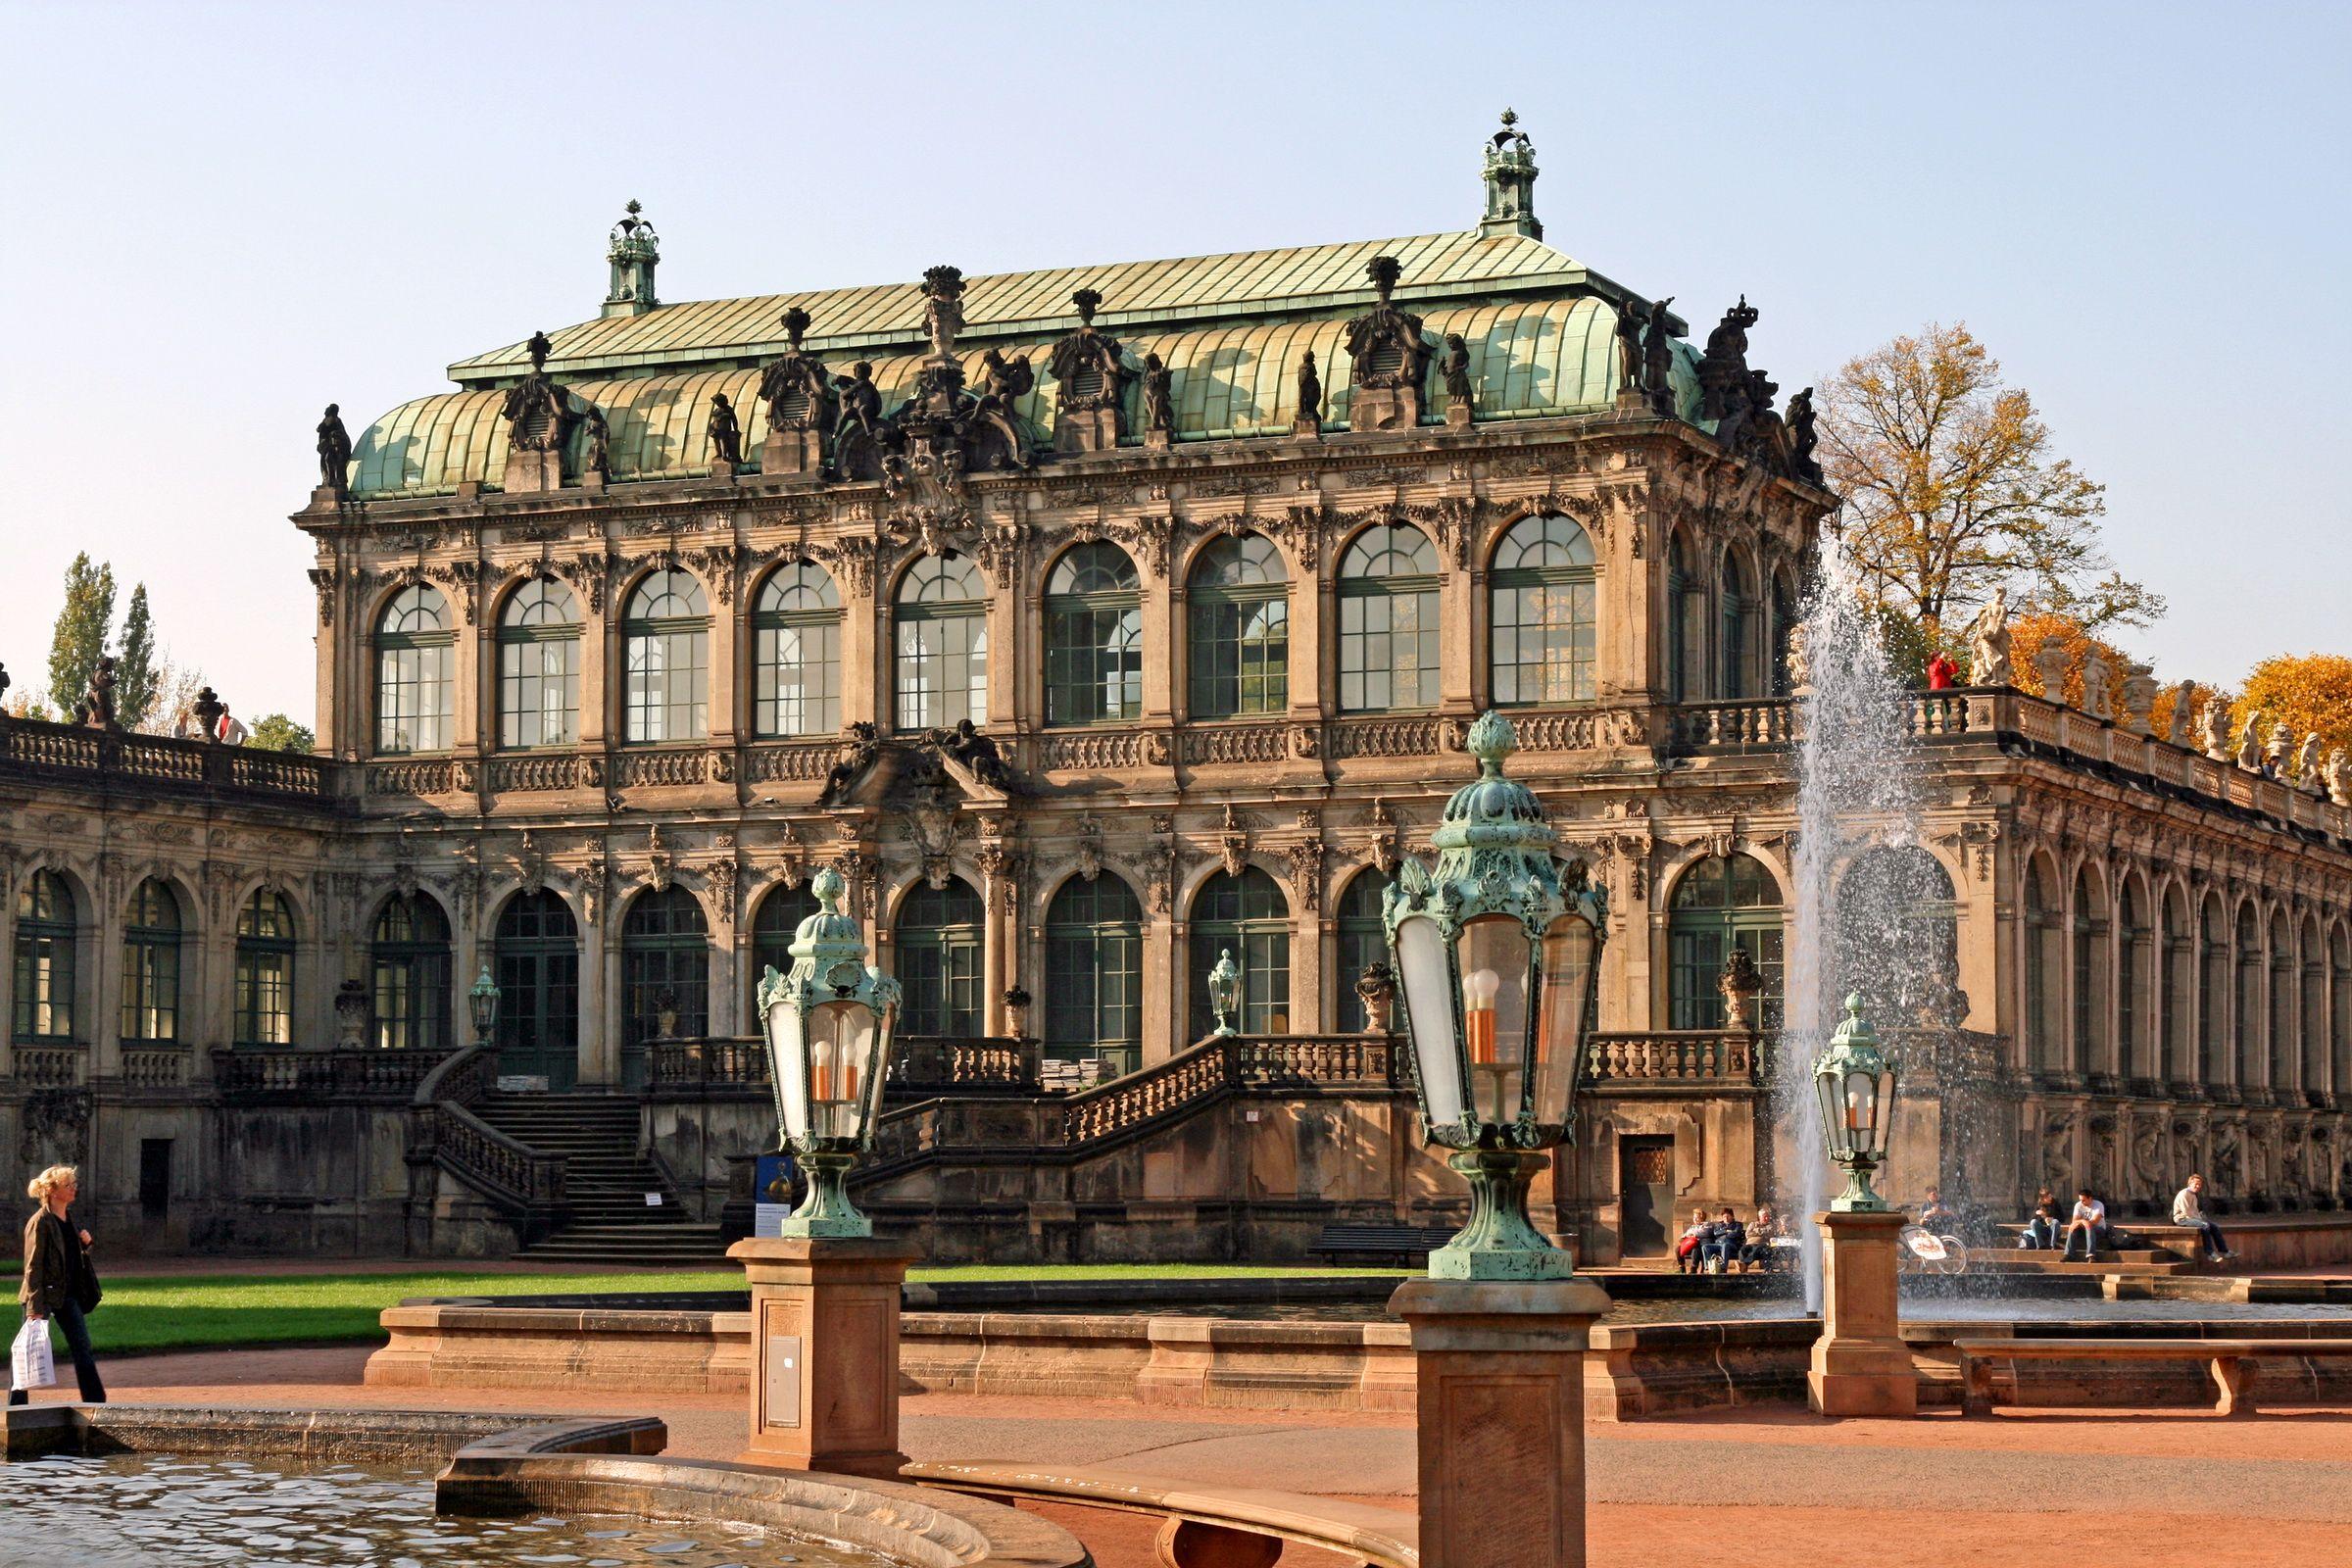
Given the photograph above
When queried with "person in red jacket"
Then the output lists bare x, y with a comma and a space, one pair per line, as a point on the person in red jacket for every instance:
1941, 674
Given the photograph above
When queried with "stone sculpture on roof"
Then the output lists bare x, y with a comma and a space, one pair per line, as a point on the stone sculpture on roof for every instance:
1657, 357
1091, 376
538, 415
1159, 396
1310, 418
2184, 714
795, 386
597, 459
726, 436
1456, 368
335, 453
1629, 346
1723, 369
1803, 439
1390, 355
1989, 643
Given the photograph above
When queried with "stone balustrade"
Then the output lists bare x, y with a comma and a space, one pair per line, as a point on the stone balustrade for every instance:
90, 757
278, 1072
1715, 1058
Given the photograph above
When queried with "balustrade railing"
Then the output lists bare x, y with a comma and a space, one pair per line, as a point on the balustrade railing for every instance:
1713, 726
1723, 1056
277, 1072
1091, 750
83, 753
948, 1064
444, 1131
155, 1066
795, 762
49, 1067
712, 1062
1235, 743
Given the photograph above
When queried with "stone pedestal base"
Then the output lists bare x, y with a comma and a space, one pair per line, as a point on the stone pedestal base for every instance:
1860, 1365
1459, 412
1158, 440
326, 498
1500, 1379
724, 471
790, 452
1307, 429
825, 1352
533, 472
1385, 408
1086, 431
1633, 400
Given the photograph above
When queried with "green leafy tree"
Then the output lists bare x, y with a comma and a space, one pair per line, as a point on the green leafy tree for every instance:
80, 640
137, 677
276, 732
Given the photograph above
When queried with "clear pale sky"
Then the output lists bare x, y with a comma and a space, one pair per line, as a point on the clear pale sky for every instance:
219, 218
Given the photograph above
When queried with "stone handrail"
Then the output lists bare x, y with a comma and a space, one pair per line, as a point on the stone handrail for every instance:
444, 1132
279, 1072
1714, 1056
716, 1061
154, 1066
82, 755
49, 1067
951, 1064
1141, 1099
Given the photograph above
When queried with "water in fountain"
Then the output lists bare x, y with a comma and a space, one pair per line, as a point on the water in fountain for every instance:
1865, 912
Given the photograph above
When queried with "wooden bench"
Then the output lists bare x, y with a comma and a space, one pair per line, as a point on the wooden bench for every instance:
1407, 1244
2232, 1361
1206, 1527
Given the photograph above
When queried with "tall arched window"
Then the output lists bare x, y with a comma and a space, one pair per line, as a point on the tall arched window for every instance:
2340, 1027
1389, 620
1094, 637
264, 1004
539, 666
773, 927
2213, 988
666, 639
1783, 625
2133, 940
1364, 941
409, 953
1094, 972
44, 992
2314, 1027
1722, 903
796, 653
2248, 1058
2044, 933
1238, 617
937, 960
151, 964
1541, 596
943, 644
1247, 916
2179, 956
538, 957
1743, 610
1685, 625
1898, 935
2283, 1054
2088, 930
413, 688
665, 974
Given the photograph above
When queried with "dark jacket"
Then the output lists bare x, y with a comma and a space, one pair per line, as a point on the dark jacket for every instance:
54, 1263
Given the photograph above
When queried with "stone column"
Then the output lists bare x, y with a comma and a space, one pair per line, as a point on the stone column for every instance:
1860, 1364
825, 1352
1500, 1381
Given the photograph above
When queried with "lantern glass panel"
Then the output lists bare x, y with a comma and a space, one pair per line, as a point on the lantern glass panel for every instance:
1428, 1013
788, 1056
1559, 1051
842, 1037
1497, 958
1861, 1111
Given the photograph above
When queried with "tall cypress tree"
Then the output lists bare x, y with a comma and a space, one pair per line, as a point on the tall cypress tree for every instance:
80, 640
135, 672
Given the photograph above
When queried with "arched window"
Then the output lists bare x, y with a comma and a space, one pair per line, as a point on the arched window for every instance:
537, 951
796, 653
151, 964
2314, 1000
409, 956
665, 974
539, 666
264, 1004
1541, 593
2131, 981
1722, 903
773, 927
1784, 627
1363, 942
1094, 972
2088, 930
413, 688
2043, 933
1247, 916
2213, 988
1898, 935
1094, 637
2283, 1054
2179, 954
1742, 610
44, 960
937, 960
2248, 1056
666, 639
1389, 620
1238, 610
943, 644
2339, 1028
1685, 625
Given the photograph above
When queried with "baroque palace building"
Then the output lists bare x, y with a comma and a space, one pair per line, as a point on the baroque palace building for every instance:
1095, 622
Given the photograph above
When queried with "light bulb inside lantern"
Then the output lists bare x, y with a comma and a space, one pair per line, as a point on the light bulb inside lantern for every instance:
1479, 987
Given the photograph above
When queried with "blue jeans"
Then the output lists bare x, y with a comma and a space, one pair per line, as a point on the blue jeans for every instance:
2216, 1245
85, 1360
2094, 1237
2041, 1235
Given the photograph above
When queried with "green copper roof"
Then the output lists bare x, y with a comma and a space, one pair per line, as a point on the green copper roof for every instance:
1193, 289
1529, 359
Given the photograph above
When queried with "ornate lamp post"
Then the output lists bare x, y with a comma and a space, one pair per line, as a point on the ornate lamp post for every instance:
1494, 955
826, 1293
1224, 994
1860, 1364
828, 1024
481, 1004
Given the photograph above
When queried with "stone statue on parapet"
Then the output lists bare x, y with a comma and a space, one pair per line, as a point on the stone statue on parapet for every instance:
1456, 367
2217, 730
2250, 743
977, 753
1310, 391
726, 436
860, 744
1989, 643
334, 451
1629, 346
597, 459
2339, 777
1657, 358
2183, 715
97, 706
2307, 768
1803, 439
1159, 395
942, 309
2276, 750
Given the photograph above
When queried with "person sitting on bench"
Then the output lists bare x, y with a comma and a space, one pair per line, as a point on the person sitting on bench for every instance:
1688, 1251
1725, 1238
2188, 1208
1762, 1230
2089, 1221
1936, 1215
2041, 1231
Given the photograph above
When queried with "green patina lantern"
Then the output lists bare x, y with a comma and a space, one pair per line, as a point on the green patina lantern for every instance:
1224, 994
1496, 953
1854, 1084
482, 1003
828, 1024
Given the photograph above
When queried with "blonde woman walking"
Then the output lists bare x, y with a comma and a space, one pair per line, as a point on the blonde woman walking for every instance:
59, 1282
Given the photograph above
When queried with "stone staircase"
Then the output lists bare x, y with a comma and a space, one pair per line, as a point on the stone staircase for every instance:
605, 1179
2157, 1250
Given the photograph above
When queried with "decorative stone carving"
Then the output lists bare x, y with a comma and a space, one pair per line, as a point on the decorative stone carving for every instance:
1386, 845
1989, 643
1090, 847
661, 866
335, 453
2049, 662
860, 746
1160, 403
55, 1128
1232, 844
797, 390
596, 456
1738, 982
2339, 777
2307, 770
1392, 359
1804, 439
2098, 684
860, 435
1461, 401
2250, 743
2217, 730
1723, 374
1308, 421
1657, 358
2184, 716
1306, 741
539, 420
1306, 872
1091, 374
350, 1016
726, 437
2276, 750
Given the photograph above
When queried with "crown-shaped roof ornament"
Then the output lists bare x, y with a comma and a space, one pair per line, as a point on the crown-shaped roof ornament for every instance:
795, 327
1088, 302
1383, 271
539, 348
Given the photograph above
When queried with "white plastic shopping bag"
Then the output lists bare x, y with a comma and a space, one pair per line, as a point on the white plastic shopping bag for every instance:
30, 1362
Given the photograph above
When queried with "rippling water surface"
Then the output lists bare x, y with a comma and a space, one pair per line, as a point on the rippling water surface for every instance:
134, 1510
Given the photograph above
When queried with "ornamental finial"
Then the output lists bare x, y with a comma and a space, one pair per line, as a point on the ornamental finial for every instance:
1491, 739
827, 887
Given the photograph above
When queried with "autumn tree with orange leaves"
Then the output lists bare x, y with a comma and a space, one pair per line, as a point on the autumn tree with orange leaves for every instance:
2307, 691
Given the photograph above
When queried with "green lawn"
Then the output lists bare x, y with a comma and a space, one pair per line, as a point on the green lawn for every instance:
180, 1311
